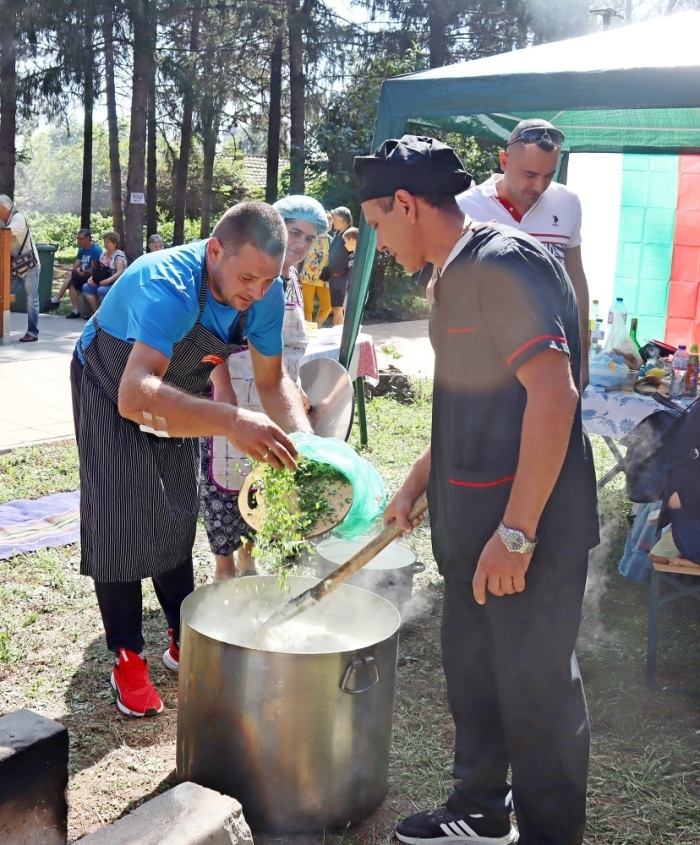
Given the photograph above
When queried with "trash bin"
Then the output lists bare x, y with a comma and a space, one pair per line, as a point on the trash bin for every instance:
46, 254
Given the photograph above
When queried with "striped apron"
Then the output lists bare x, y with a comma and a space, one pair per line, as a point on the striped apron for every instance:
139, 492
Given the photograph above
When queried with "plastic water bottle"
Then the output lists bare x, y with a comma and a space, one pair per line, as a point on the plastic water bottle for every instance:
593, 316
679, 365
691, 374
618, 305
597, 336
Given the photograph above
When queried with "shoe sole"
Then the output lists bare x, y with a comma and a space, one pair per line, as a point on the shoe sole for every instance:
125, 710
454, 839
170, 661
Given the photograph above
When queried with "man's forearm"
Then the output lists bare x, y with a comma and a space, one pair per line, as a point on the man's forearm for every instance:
282, 403
416, 481
544, 441
579, 282
221, 382
150, 401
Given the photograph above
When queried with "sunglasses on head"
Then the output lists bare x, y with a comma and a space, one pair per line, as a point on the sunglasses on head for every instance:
545, 138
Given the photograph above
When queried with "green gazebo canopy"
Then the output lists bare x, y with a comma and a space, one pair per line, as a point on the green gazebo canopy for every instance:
629, 89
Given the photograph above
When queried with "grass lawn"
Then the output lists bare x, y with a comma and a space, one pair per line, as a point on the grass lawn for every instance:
645, 766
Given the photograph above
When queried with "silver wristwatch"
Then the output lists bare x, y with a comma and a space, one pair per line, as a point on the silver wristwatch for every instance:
516, 541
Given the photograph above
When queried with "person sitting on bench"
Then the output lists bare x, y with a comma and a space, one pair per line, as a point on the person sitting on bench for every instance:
88, 252
105, 272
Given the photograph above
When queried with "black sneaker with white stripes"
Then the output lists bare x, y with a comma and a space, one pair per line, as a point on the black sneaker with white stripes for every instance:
443, 827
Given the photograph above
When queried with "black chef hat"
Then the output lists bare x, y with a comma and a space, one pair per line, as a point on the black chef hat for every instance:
415, 163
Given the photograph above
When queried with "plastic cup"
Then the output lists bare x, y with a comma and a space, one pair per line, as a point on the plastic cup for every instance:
630, 379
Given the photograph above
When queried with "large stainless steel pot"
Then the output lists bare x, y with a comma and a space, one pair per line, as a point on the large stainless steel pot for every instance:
389, 574
297, 728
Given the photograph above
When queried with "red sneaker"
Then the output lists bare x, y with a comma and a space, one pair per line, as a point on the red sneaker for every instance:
171, 657
136, 696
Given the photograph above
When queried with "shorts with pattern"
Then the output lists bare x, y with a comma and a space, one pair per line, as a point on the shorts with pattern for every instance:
226, 528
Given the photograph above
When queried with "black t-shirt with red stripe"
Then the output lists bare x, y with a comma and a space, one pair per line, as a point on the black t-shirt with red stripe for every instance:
500, 302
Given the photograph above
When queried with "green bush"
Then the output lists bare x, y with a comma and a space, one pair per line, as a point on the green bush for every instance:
60, 229
165, 229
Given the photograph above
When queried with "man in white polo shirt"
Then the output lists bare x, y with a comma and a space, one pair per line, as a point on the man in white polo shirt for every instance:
525, 197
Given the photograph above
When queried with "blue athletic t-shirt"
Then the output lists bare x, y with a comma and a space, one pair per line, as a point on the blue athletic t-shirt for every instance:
87, 256
156, 301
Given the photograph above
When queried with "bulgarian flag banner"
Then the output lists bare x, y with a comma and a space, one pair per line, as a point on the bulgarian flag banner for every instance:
641, 238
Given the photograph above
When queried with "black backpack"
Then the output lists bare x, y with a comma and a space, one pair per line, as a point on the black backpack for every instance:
661, 453
682, 473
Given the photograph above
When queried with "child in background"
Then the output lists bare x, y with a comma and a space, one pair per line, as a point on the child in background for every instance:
350, 240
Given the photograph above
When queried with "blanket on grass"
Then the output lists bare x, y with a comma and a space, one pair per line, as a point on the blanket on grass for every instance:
30, 524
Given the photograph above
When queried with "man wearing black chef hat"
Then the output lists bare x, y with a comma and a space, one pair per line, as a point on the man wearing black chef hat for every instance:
511, 489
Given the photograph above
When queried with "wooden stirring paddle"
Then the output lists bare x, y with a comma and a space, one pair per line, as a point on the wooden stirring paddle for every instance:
309, 598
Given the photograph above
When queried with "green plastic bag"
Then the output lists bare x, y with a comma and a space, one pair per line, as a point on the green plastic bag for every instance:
368, 493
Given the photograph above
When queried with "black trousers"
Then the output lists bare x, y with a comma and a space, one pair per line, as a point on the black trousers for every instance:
120, 605
120, 602
516, 697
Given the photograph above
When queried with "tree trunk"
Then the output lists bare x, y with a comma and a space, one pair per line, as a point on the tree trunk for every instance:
183, 161
275, 117
210, 132
115, 170
437, 34
8, 96
297, 94
135, 211
88, 104
151, 146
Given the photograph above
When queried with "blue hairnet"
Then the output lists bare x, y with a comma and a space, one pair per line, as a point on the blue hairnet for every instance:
299, 207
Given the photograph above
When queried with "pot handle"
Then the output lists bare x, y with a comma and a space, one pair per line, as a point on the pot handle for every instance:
418, 566
356, 664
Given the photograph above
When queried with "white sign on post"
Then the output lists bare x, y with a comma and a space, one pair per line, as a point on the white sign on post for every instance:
138, 199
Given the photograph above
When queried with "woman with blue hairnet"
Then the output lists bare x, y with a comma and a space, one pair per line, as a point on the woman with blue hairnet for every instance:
223, 467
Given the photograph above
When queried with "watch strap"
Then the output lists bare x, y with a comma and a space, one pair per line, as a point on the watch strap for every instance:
525, 547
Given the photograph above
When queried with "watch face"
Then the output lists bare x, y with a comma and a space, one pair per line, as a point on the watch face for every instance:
516, 541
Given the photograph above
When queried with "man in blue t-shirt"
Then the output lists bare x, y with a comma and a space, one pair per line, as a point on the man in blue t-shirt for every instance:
140, 376
88, 252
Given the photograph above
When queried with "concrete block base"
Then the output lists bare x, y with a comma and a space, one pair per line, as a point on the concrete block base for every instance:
186, 815
33, 780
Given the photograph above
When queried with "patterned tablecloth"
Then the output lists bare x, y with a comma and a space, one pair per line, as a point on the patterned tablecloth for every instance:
614, 414
364, 359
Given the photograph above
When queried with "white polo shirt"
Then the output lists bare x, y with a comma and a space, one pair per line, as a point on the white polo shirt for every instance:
555, 219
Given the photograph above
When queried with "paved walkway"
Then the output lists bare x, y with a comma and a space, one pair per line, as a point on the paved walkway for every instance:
35, 402
412, 345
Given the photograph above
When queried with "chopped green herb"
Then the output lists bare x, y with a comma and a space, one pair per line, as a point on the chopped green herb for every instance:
295, 504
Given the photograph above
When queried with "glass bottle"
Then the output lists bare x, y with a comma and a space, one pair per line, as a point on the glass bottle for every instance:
633, 333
